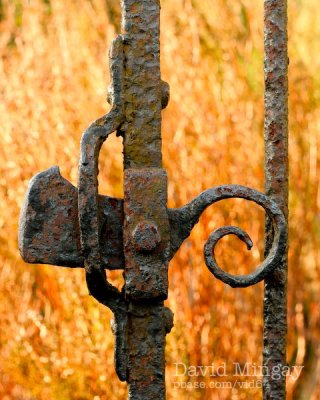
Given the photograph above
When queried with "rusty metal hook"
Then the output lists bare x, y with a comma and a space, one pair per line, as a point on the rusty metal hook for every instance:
88, 208
90, 146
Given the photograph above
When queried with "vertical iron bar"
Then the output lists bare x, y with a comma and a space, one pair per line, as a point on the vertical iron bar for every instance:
142, 83
146, 334
148, 320
276, 187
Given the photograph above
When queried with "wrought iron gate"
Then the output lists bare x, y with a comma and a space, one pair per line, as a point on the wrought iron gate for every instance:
65, 226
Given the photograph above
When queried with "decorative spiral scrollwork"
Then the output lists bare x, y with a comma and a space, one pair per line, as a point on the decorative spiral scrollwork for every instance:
183, 219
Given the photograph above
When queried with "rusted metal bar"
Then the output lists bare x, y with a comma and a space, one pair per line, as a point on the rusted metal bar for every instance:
276, 187
142, 86
146, 224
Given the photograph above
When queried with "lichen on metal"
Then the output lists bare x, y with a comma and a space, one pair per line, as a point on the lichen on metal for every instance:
65, 226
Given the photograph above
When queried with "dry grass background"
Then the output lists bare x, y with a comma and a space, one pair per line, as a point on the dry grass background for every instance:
55, 341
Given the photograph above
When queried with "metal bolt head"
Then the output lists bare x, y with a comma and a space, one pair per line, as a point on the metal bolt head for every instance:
146, 236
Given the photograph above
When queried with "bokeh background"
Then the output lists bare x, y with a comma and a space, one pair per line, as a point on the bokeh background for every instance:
55, 341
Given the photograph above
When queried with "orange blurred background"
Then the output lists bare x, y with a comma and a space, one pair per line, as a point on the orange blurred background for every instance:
56, 341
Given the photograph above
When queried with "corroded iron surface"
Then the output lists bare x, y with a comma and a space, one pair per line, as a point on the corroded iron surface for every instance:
89, 209
66, 226
49, 225
146, 234
276, 186
183, 219
148, 325
88, 206
146, 261
142, 86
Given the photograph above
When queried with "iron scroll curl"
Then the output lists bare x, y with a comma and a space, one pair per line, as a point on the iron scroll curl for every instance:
183, 220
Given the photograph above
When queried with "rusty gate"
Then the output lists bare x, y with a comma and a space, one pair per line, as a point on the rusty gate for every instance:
76, 227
